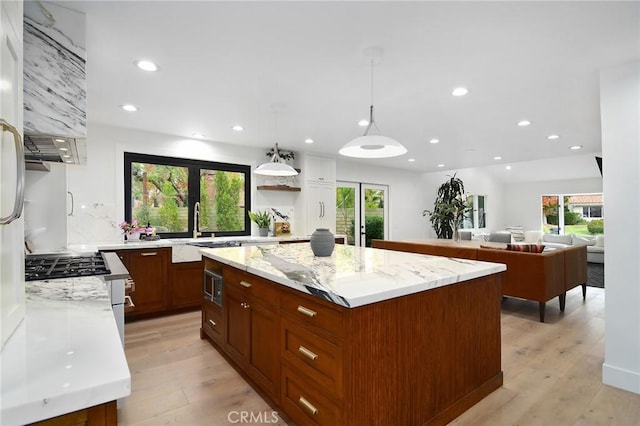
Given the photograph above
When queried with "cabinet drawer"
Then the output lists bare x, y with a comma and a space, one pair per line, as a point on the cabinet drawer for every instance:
314, 356
251, 285
305, 404
315, 314
212, 321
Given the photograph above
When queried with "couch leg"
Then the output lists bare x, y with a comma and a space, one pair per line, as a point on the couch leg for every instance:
584, 291
541, 306
563, 298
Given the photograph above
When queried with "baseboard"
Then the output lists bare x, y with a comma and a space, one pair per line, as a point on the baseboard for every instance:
621, 378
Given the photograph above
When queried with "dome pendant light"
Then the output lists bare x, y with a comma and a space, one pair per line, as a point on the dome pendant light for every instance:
373, 145
276, 167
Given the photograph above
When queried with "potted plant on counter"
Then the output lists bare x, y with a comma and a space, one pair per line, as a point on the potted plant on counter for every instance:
449, 208
263, 220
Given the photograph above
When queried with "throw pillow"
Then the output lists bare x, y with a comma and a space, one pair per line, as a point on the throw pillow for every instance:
599, 240
561, 239
577, 240
529, 248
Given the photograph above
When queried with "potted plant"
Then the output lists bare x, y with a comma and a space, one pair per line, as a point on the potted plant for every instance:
262, 219
449, 208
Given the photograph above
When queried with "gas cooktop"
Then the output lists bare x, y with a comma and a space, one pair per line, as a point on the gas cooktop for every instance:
49, 266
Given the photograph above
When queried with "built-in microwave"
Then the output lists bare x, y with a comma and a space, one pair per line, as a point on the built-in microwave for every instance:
213, 287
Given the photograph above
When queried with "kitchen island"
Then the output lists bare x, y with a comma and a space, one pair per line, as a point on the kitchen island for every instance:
365, 336
65, 357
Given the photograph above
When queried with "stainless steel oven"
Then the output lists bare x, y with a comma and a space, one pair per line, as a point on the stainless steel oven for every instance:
213, 287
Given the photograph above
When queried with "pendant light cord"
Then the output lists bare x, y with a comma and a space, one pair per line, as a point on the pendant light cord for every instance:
371, 120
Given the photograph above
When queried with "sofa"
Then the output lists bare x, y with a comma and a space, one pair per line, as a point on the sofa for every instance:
538, 277
595, 245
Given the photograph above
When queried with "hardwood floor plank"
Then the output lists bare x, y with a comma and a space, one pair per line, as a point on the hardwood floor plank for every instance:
552, 373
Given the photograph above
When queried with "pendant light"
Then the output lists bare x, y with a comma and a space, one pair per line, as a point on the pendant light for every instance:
373, 145
276, 167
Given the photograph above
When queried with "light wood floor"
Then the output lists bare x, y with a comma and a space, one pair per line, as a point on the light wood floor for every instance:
552, 373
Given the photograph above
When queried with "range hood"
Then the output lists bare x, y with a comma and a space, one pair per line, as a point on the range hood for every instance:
55, 85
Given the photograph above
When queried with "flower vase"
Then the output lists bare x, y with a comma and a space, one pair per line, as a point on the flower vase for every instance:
456, 235
132, 237
322, 242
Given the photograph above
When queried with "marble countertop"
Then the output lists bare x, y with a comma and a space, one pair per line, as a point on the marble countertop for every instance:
352, 276
182, 250
66, 354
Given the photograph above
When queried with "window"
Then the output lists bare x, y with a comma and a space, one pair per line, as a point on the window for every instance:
477, 214
163, 192
592, 211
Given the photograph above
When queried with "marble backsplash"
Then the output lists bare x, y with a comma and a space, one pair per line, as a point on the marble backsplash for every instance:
95, 222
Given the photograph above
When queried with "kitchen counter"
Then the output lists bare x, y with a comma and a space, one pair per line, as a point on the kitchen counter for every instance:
66, 355
351, 276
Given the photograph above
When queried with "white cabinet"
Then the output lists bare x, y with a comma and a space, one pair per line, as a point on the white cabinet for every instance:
12, 302
319, 169
321, 206
319, 192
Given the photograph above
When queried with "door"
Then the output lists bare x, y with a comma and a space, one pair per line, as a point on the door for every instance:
12, 303
348, 210
237, 322
552, 214
373, 213
264, 354
362, 207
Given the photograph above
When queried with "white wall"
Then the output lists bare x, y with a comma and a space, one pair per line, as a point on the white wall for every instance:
620, 111
98, 186
477, 181
523, 204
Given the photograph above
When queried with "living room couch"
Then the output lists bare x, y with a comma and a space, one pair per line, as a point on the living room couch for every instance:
595, 244
534, 276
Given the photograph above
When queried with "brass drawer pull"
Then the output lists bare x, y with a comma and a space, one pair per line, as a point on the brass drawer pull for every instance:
153, 253
309, 406
306, 311
306, 352
212, 322
245, 284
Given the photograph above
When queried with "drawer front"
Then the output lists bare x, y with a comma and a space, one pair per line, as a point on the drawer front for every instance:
212, 322
305, 403
250, 285
314, 356
313, 313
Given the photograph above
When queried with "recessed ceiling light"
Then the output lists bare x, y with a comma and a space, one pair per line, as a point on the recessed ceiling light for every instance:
68, 161
497, 157
59, 140
553, 137
197, 135
523, 123
411, 160
363, 123
147, 65
63, 149
575, 147
460, 91
508, 167
66, 156
238, 128
440, 165
434, 141
129, 107
308, 140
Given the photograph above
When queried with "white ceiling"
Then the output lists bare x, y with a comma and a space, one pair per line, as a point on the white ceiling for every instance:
226, 63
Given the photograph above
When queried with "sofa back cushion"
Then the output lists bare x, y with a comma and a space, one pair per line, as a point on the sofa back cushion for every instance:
578, 240
560, 239
529, 248
599, 241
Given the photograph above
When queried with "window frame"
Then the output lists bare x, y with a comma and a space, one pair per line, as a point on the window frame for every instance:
194, 167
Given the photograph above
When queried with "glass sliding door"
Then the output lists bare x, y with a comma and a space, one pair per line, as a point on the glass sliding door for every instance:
348, 210
373, 219
362, 212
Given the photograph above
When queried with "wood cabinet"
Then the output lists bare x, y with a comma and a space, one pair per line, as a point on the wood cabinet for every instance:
103, 415
252, 331
149, 268
423, 358
185, 285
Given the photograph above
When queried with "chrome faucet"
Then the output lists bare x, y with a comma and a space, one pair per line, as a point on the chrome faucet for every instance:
196, 220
